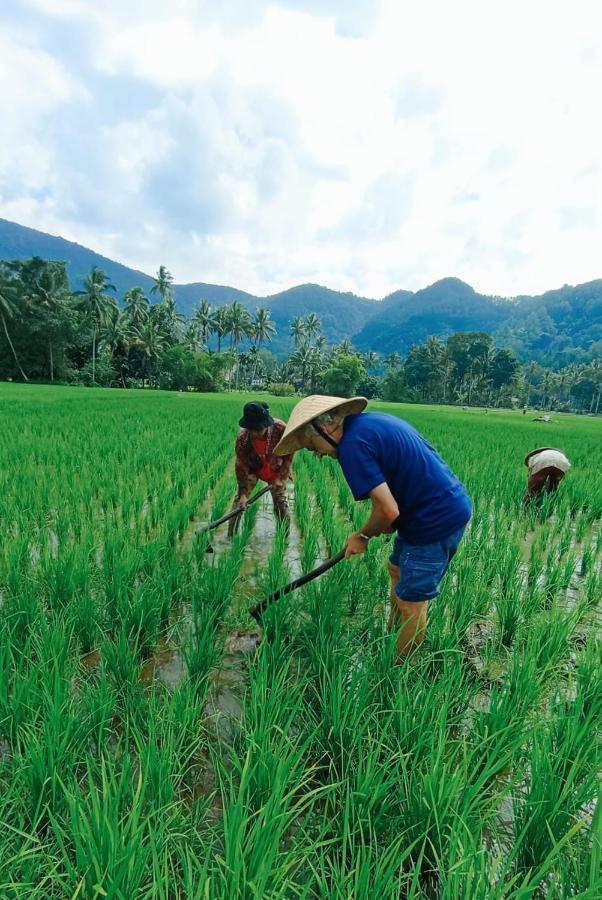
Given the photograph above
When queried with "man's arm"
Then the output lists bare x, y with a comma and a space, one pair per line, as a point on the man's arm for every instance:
384, 512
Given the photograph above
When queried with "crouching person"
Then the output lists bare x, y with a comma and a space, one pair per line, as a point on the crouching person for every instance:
256, 461
412, 490
546, 467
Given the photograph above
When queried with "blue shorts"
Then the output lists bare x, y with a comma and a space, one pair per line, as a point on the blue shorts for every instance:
422, 566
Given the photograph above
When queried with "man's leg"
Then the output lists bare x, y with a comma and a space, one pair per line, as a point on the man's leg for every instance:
280, 501
410, 617
234, 524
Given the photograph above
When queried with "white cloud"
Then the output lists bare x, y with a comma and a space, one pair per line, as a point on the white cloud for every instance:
365, 145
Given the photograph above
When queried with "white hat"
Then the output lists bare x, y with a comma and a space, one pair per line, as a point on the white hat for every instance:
310, 408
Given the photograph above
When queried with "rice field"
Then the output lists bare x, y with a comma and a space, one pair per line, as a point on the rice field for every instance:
153, 746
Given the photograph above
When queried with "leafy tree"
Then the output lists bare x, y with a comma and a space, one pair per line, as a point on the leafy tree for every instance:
503, 368
343, 377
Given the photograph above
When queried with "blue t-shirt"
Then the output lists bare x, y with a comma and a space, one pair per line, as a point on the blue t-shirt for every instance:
377, 448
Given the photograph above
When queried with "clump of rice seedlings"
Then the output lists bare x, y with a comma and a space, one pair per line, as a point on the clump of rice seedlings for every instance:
557, 791
202, 650
105, 843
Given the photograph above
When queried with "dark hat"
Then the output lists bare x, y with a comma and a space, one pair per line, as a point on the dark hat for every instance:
255, 416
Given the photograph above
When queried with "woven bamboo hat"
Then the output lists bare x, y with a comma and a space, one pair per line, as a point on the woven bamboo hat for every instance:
309, 408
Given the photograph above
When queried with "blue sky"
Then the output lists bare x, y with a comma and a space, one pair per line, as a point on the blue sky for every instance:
364, 145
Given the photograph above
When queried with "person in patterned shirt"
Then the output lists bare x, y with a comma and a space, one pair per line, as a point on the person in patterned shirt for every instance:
256, 461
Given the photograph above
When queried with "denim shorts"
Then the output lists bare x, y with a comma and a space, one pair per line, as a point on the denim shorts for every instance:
422, 566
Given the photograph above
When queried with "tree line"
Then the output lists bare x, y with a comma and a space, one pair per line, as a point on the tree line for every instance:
49, 333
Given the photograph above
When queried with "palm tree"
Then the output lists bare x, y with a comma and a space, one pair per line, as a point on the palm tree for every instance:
49, 291
297, 330
220, 325
371, 360
115, 332
151, 340
313, 326
96, 305
163, 284
8, 309
239, 326
137, 307
321, 343
345, 348
393, 361
203, 318
263, 329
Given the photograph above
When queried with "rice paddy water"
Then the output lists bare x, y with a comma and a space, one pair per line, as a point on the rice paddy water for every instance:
153, 746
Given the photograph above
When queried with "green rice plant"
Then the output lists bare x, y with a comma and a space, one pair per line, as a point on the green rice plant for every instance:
556, 794
105, 844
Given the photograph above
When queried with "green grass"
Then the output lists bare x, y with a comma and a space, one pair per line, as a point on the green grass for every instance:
144, 753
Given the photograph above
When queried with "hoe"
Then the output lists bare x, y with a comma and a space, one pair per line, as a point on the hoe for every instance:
230, 515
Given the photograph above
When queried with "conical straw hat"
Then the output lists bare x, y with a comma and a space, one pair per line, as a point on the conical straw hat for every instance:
306, 410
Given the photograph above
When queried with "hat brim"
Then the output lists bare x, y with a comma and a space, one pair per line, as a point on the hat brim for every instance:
310, 408
255, 426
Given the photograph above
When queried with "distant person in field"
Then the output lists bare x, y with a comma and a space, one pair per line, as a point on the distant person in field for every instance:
256, 461
413, 493
547, 467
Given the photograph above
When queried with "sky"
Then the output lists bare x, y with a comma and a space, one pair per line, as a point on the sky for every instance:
367, 145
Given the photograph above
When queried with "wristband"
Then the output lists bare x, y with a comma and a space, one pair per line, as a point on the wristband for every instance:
365, 537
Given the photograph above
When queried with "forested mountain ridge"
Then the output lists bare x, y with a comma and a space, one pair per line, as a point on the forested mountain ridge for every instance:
556, 328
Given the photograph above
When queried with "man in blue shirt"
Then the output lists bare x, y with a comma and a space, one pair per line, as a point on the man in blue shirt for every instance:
412, 490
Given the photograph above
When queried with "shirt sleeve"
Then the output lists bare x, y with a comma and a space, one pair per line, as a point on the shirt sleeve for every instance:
241, 466
360, 468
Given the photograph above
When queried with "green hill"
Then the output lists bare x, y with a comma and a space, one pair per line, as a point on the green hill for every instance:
558, 327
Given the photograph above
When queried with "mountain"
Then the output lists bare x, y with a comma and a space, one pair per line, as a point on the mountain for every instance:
19, 242
555, 328
446, 306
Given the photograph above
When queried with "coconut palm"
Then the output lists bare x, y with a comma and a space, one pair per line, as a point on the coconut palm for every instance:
151, 340
393, 361
49, 290
297, 330
313, 326
137, 307
262, 330
220, 325
345, 348
163, 284
263, 327
203, 318
239, 326
8, 309
96, 305
371, 360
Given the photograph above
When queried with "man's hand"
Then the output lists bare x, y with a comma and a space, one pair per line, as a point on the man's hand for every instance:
243, 501
355, 544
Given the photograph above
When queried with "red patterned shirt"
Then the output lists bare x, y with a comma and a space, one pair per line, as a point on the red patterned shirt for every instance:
266, 466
